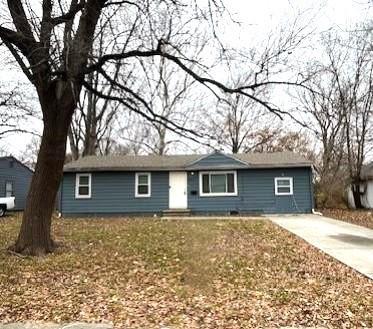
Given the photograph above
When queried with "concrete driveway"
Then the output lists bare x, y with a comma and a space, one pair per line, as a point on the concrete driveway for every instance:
350, 244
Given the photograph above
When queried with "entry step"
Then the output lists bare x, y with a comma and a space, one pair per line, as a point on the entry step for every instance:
176, 212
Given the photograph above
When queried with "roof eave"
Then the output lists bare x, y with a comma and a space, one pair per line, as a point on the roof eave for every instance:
138, 169
251, 166
282, 165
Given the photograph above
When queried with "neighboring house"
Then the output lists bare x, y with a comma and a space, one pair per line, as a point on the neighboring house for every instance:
366, 188
15, 179
214, 183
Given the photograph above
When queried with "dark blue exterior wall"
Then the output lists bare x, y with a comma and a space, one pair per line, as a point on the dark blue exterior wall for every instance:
13, 171
256, 193
114, 192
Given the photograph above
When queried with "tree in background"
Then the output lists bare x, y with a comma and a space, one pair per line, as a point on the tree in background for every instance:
234, 125
281, 140
337, 108
169, 94
92, 127
16, 109
319, 113
30, 154
355, 86
242, 124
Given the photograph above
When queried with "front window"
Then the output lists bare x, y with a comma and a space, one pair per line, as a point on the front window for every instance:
218, 183
284, 186
9, 189
83, 186
143, 185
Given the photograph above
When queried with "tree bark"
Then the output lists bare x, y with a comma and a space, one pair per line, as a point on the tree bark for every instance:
35, 234
355, 187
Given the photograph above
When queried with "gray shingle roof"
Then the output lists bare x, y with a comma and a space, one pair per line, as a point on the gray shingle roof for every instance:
131, 162
275, 159
11, 157
180, 162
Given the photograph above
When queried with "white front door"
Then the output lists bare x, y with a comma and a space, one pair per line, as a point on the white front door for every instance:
178, 190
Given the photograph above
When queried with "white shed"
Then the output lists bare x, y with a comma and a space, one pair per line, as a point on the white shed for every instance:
366, 188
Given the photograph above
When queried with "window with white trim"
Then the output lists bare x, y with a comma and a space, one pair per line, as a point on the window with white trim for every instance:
218, 183
9, 189
283, 186
83, 186
143, 185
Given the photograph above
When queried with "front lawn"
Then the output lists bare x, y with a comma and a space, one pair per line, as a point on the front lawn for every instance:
181, 274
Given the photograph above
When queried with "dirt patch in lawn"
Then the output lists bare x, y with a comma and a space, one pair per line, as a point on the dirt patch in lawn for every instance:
358, 217
181, 274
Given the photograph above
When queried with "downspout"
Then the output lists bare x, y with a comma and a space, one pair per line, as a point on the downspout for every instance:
59, 212
316, 212
313, 193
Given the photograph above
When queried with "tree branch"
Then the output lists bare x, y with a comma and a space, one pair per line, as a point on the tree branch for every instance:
74, 9
203, 80
18, 39
20, 19
181, 131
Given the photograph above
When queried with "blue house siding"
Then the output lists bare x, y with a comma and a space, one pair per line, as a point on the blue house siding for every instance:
114, 193
13, 171
256, 193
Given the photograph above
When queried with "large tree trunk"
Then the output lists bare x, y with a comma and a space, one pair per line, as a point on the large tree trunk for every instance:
35, 233
355, 187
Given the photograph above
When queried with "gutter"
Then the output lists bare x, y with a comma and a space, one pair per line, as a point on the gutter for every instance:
212, 167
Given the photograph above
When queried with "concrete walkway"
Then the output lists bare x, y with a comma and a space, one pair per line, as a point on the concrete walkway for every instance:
350, 244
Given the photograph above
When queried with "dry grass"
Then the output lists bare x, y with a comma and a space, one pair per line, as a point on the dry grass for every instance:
192, 274
358, 217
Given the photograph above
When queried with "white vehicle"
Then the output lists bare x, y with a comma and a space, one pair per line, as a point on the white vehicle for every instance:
7, 203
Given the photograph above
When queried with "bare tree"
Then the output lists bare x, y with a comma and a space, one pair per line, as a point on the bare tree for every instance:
320, 113
92, 122
30, 153
281, 140
171, 95
239, 119
56, 51
338, 110
15, 112
234, 124
240, 126
356, 93
91, 127
132, 135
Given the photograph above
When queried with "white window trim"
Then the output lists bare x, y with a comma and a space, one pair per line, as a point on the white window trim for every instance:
148, 195
202, 194
276, 186
77, 195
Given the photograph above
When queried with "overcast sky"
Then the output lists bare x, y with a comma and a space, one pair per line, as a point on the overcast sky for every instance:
257, 18
331, 13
